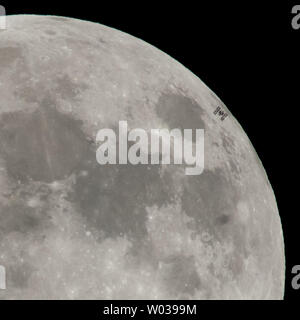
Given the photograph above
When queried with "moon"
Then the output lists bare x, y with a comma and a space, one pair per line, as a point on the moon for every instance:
73, 229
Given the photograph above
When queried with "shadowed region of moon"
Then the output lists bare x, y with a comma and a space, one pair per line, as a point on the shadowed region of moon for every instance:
71, 228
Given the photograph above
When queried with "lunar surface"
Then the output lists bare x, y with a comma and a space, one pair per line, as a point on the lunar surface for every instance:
73, 229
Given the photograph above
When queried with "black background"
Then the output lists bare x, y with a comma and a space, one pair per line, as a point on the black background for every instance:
246, 52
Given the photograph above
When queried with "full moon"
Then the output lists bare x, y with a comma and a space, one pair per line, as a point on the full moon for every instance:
71, 228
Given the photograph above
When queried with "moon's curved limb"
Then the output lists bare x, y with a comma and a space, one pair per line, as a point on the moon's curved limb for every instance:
70, 228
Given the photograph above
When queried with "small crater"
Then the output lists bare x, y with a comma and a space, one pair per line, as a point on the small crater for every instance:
101, 40
223, 219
